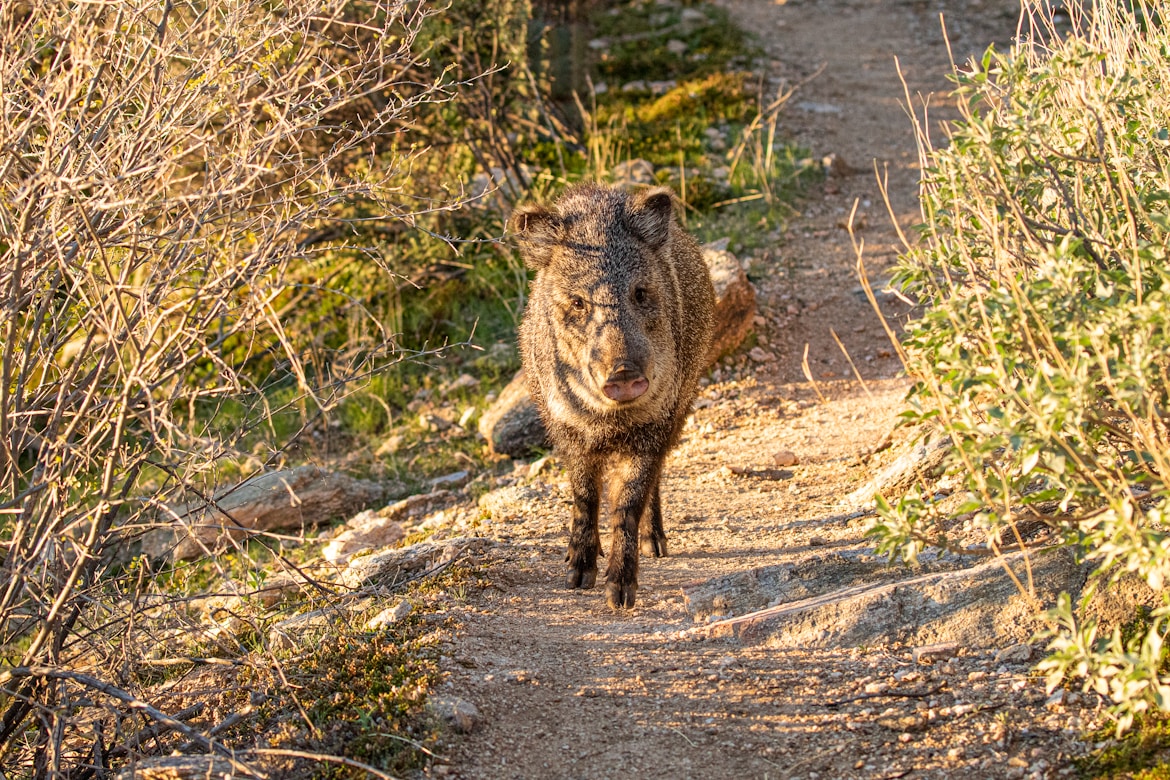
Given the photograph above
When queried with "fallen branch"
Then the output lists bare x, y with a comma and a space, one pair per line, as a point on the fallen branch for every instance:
327, 758
153, 731
891, 694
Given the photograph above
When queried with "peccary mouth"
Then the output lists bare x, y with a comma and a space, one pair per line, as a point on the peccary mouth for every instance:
625, 385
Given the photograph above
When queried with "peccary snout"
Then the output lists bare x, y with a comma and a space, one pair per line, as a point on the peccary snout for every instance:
626, 383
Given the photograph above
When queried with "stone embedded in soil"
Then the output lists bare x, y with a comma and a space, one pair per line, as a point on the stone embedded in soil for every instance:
518, 504
735, 302
929, 654
459, 714
1015, 654
390, 615
292, 498
980, 605
921, 461
391, 567
512, 425
743, 592
365, 531
293, 632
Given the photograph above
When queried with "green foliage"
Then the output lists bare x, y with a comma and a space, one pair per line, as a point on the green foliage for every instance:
639, 32
1143, 754
1046, 348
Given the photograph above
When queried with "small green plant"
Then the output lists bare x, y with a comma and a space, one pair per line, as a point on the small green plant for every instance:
1143, 754
1045, 352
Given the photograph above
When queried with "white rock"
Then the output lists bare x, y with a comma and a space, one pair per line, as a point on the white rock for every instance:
785, 458
458, 713
390, 615
365, 531
452, 480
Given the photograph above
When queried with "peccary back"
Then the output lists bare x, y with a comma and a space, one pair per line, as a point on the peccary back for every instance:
613, 341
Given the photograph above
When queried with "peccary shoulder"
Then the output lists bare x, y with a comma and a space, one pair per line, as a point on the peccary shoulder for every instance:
613, 342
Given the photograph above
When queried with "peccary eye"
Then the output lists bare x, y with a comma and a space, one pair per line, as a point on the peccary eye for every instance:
640, 295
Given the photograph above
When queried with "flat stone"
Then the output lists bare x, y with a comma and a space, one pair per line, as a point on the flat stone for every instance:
929, 654
184, 768
980, 606
293, 498
1015, 654
390, 615
459, 714
365, 531
391, 567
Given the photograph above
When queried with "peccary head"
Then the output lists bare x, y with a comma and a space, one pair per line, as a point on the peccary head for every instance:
602, 321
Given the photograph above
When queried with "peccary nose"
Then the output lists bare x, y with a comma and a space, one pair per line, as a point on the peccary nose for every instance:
625, 383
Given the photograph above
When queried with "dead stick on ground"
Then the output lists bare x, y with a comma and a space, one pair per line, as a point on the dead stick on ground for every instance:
154, 730
417, 745
886, 695
327, 758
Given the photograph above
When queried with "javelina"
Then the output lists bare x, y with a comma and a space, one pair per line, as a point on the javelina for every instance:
613, 340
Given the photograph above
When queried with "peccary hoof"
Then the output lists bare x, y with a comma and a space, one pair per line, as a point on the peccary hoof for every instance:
654, 546
581, 579
620, 596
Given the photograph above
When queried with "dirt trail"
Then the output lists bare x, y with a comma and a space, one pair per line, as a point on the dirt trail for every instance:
566, 688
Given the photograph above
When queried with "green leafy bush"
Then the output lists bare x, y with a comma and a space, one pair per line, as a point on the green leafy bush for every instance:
1045, 351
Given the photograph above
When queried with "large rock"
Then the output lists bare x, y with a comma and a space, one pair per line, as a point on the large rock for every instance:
290, 499
394, 566
735, 302
512, 426
743, 592
979, 605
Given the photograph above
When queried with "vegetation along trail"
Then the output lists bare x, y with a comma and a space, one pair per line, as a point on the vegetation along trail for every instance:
565, 687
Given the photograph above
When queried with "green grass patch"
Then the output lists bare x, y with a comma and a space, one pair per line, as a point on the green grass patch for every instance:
1143, 754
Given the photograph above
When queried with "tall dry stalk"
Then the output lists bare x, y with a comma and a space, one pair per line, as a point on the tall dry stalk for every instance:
163, 166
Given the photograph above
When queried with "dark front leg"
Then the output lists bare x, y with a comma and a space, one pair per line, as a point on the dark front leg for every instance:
653, 534
635, 483
584, 540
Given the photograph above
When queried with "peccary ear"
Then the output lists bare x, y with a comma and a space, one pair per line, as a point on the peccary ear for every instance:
536, 228
649, 214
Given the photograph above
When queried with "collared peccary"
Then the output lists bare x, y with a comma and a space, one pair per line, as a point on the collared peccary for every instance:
613, 341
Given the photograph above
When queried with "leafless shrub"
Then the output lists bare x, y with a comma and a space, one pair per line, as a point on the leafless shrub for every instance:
164, 168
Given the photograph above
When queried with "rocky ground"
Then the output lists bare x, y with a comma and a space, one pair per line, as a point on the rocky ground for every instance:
551, 683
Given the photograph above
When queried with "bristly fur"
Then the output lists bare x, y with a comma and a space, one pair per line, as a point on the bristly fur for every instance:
613, 341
